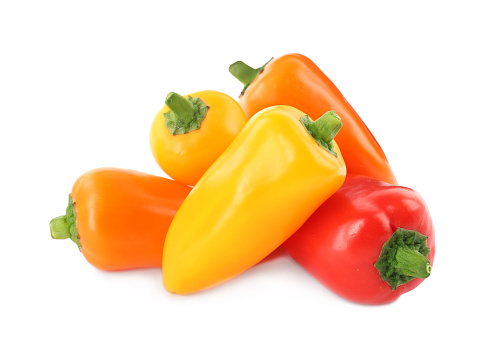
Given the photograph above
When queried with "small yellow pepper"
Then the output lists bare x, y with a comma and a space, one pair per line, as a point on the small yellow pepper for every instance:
190, 132
279, 169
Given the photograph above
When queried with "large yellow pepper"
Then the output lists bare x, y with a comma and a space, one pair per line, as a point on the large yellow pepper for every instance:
264, 186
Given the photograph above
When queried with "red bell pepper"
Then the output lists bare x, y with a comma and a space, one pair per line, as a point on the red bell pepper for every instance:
370, 242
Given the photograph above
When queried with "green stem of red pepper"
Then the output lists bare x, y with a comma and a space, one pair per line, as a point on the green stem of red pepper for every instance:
404, 257
185, 115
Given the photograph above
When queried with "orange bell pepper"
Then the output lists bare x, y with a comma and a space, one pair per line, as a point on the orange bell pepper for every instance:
295, 80
190, 132
119, 218
280, 168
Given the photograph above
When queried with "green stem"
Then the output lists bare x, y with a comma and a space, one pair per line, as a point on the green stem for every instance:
410, 262
185, 115
328, 125
245, 73
181, 107
403, 258
324, 129
60, 229
65, 226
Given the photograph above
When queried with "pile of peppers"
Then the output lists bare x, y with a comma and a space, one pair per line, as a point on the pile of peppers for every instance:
289, 166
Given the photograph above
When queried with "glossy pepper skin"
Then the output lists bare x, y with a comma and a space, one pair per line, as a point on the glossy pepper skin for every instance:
184, 145
263, 187
119, 217
343, 240
295, 80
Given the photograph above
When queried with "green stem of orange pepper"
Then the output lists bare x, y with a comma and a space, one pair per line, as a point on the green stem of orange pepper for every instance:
64, 227
245, 73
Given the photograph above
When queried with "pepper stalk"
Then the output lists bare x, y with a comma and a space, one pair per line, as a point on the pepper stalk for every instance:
245, 73
185, 115
324, 129
65, 226
403, 258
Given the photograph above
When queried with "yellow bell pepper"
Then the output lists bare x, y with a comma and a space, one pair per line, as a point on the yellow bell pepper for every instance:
264, 186
190, 132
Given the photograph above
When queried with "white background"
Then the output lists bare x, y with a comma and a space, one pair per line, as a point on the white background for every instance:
81, 83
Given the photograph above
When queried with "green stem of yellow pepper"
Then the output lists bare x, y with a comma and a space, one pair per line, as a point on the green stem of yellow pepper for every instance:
185, 115
181, 107
324, 129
